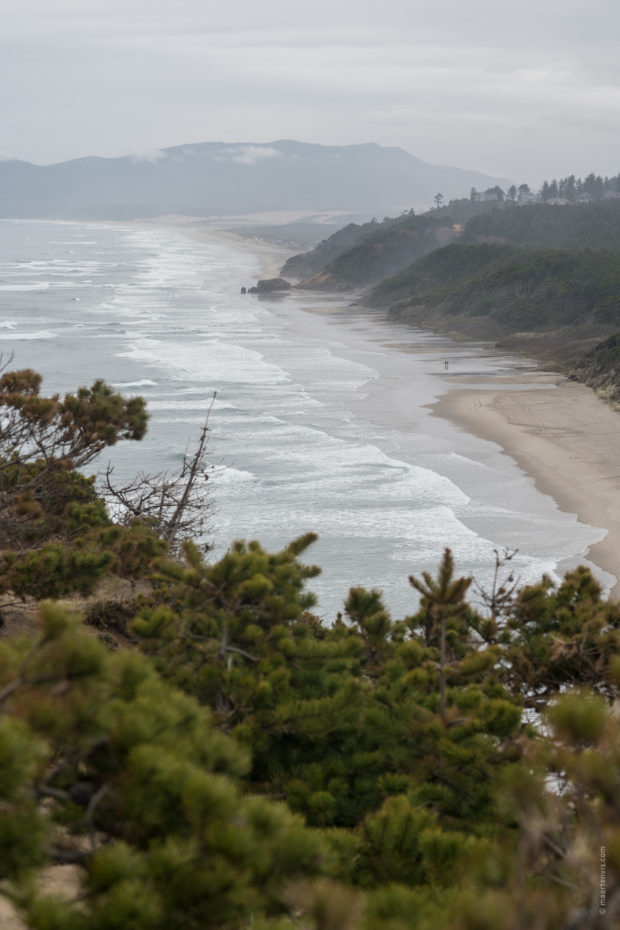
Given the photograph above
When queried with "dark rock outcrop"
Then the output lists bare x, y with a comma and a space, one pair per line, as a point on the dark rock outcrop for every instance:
271, 285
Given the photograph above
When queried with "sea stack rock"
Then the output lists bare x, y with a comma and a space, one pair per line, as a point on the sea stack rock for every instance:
270, 285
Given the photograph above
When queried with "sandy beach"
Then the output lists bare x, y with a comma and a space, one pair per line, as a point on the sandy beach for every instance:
564, 437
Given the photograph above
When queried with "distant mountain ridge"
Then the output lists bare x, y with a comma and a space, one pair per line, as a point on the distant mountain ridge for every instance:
223, 179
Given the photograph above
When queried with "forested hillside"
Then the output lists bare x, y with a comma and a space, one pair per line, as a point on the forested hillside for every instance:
551, 302
201, 751
356, 256
309, 263
542, 225
382, 249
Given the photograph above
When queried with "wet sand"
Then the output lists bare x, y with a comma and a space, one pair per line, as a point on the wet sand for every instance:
565, 438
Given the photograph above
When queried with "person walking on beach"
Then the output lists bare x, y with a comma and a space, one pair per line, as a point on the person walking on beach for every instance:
445, 365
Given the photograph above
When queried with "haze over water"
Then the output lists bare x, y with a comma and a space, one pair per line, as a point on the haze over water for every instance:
320, 421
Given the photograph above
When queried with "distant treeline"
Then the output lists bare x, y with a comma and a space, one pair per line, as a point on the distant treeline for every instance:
569, 189
594, 187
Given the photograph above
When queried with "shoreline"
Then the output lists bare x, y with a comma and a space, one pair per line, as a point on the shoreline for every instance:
562, 436
270, 257
559, 433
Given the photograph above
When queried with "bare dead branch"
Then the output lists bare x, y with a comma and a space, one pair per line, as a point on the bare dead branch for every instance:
175, 505
500, 595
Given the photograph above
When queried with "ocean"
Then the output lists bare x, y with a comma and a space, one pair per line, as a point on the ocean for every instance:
321, 420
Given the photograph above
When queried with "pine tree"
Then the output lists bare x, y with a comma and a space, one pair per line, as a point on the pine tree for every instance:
104, 766
559, 637
442, 601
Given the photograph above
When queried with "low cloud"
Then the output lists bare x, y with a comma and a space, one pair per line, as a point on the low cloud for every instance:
250, 154
150, 155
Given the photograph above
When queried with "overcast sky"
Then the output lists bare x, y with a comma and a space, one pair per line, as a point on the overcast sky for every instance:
525, 91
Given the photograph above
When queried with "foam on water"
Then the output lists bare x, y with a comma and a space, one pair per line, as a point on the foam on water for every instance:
299, 437
41, 334
224, 362
43, 286
143, 382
